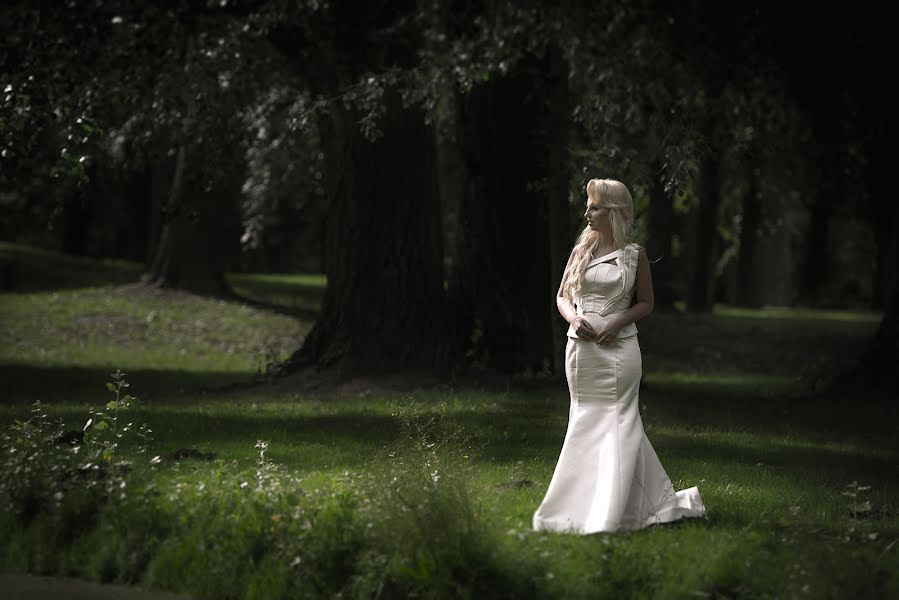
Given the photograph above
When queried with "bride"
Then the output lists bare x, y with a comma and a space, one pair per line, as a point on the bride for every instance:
608, 477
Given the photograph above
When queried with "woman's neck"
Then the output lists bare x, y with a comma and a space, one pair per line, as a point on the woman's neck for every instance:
604, 249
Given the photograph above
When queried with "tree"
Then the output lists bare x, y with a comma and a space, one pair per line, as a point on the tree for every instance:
156, 76
384, 307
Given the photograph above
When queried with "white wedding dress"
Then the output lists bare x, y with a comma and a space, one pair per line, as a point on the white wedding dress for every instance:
608, 477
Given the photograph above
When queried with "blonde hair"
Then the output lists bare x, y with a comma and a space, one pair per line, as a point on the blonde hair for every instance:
614, 195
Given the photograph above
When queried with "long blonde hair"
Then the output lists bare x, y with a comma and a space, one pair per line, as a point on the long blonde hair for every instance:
614, 195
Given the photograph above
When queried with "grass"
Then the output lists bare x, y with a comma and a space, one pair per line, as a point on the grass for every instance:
300, 292
431, 493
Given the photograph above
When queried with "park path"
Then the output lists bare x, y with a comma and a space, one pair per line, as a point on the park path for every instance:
18, 586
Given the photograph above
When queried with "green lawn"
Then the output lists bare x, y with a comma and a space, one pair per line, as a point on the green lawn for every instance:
430, 493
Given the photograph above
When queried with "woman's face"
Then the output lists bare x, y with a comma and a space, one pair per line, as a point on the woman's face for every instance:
596, 214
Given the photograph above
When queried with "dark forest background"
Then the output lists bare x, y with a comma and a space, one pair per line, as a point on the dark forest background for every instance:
430, 158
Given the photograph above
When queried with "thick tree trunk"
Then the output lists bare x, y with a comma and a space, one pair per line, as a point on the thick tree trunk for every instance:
883, 354
160, 173
816, 262
384, 308
873, 379
886, 225
886, 279
197, 237
874, 376
658, 246
452, 185
76, 221
192, 247
816, 259
503, 284
878, 366
777, 270
136, 193
749, 283
699, 294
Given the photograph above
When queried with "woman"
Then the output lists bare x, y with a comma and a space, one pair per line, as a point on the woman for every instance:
608, 477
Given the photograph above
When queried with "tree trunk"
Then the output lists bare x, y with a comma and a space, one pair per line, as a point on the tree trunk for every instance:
699, 294
161, 170
816, 259
190, 252
136, 192
658, 246
557, 195
384, 308
76, 221
886, 224
874, 376
873, 379
192, 248
749, 283
877, 368
503, 292
453, 181
887, 255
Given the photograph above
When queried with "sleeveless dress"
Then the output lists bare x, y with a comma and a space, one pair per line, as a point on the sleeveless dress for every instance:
608, 477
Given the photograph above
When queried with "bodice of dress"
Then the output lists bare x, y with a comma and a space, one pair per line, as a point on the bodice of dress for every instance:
607, 289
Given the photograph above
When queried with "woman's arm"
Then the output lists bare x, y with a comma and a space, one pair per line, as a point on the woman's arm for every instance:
566, 308
643, 296
582, 327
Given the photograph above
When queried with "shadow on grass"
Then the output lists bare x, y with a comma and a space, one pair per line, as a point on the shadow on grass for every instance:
31, 269
23, 384
819, 464
275, 305
816, 463
731, 409
25, 268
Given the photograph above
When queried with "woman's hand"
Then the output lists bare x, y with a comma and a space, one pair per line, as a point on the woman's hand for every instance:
583, 329
608, 333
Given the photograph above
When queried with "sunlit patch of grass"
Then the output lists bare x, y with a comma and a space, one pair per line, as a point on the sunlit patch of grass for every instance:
789, 312
66, 337
730, 380
307, 280
293, 291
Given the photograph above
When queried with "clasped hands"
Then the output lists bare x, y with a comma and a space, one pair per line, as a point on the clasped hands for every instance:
605, 336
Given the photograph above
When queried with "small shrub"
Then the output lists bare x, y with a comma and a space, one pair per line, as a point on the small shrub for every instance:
66, 477
426, 535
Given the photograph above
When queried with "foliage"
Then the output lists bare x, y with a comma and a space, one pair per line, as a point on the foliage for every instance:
245, 83
69, 475
412, 530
